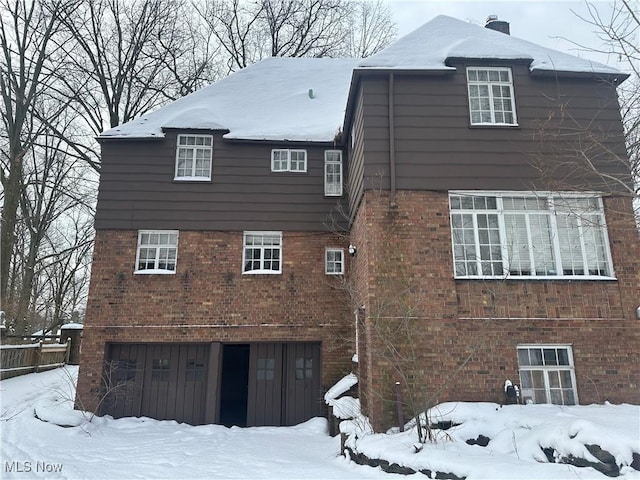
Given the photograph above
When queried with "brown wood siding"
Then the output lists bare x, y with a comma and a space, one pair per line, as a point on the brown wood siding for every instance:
137, 189
437, 149
355, 186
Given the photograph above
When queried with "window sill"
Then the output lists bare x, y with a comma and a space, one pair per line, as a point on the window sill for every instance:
262, 272
153, 271
546, 278
192, 179
494, 125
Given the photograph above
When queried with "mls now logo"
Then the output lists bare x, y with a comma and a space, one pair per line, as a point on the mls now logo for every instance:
26, 467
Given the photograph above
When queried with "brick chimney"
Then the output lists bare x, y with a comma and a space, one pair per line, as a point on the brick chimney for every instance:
498, 25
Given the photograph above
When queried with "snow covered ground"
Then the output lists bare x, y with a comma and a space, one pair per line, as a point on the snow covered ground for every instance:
35, 445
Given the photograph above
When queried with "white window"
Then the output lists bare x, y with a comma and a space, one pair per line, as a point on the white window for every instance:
287, 160
491, 100
333, 173
157, 251
546, 374
193, 157
262, 252
529, 236
334, 261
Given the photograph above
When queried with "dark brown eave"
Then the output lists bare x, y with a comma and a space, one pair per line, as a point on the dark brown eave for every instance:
615, 78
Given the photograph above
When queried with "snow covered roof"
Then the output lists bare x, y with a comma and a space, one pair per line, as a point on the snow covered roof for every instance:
443, 38
304, 99
296, 99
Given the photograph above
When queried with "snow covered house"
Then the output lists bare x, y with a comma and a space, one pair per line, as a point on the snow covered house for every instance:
425, 209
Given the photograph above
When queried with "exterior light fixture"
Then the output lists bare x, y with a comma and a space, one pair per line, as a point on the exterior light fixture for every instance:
353, 250
637, 310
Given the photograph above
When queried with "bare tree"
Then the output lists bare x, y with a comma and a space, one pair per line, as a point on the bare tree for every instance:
123, 58
26, 33
250, 31
618, 28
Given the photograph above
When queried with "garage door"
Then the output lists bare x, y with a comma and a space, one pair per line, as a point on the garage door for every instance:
279, 382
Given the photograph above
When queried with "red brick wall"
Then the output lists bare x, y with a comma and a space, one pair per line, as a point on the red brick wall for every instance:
457, 340
209, 299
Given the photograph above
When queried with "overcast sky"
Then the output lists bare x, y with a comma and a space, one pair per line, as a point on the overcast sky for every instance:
553, 24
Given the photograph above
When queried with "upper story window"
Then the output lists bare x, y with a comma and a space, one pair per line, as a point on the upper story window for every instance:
262, 252
157, 251
546, 374
334, 261
521, 235
288, 160
193, 157
333, 173
491, 100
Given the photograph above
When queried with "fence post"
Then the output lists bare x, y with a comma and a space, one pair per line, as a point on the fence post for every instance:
399, 405
68, 352
38, 358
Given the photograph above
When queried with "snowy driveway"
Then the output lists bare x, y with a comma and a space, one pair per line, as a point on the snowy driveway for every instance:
144, 448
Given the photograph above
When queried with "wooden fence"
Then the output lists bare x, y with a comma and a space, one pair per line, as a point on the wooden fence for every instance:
37, 357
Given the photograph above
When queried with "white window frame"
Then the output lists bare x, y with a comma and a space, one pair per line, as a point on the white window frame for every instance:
491, 97
331, 264
501, 260
547, 372
191, 148
333, 188
162, 252
265, 245
286, 163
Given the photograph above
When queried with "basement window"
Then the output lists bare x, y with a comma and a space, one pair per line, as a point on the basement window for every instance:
547, 375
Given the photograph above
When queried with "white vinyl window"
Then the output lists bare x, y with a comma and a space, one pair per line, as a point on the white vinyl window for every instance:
193, 157
527, 235
334, 261
262, 253
333, 173
288, 160
157, 251
491, 100
547, 374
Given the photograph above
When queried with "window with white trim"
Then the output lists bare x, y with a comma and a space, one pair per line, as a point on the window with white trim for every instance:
333, 173
193, 157
288, 160
497, 235
157, 251
547, 374
334, 261
491, 100
262, 253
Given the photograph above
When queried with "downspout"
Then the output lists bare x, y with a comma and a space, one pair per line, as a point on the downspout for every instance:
392, 146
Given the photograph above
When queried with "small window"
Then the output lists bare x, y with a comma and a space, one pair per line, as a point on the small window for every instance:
266, 369
333, 173
287, 160
193, 157
262, 253
491, 100
547, 375
157, 251
160, 368
304, 368
334, 261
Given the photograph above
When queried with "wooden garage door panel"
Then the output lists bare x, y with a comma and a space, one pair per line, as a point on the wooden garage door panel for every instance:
164, 381
264, 403
302, 382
